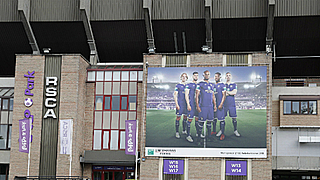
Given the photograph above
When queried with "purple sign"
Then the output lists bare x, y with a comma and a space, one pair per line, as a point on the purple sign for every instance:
171, 166
24, 135
236, 168
131, 126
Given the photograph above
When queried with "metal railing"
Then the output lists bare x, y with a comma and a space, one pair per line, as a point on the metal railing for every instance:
51, 178
296, 81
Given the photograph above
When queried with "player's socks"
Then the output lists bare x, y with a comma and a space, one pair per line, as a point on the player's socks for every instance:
222, 126
234, 122
214, 124
196, 124
184, 123
209, 127
200, 128
177, 125
188, 126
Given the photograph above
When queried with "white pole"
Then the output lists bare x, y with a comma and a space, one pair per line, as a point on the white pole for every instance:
29, 154
136, 166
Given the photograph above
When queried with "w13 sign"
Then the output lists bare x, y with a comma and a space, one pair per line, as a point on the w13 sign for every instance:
171, 166
236, 168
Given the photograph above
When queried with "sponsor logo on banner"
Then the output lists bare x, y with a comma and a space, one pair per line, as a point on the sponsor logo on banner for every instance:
131, 137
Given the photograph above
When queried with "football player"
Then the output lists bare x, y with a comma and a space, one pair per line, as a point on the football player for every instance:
190, 92
205, 102
220, 94
181, 105
229, 104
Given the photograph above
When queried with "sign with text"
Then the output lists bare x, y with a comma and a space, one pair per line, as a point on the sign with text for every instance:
131, 126
65, 136
236, 168
171, 166
24, 135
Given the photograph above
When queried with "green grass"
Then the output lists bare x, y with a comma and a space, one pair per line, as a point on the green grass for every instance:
251, 125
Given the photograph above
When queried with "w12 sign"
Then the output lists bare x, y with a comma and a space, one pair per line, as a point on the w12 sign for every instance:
236, 168
171, 166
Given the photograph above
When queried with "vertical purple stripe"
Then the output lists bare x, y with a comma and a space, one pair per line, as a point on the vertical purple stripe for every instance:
131, 137
24, 135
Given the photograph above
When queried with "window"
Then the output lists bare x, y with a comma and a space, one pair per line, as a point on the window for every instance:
237, 60
5, 122
300, 107
176, 61
115, 102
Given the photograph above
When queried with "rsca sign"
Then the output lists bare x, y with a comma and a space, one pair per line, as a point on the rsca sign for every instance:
51, 94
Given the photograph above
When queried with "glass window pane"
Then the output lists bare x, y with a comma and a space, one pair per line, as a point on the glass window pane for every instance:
10, 117
312, 107
11, 104
116, 88
115, 120
97, 139
124, 100
105, 139
133, 88
133, 75
4, 117
295, 108
3, 136
107, 88
99, 87
304, 107
100, 75
106, 120
99, 102
124, 88
91, 75
5, 103
125, 76
108, 75
122, 139
9, 140
132, 102
97, 175
132, 116
140, 76
107, 102
286, 107
123, 118
114, 140
98, 120
115, 102
116, 75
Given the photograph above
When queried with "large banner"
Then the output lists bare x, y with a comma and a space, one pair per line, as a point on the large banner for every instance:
206, 112
65, 136
24, 135
131, 126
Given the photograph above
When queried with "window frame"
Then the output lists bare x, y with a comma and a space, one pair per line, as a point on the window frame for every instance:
300, 112
8, 110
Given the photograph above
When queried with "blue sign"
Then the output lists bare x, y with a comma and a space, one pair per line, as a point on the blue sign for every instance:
236, 168
129, 168
113, 168
97, 167
171, 166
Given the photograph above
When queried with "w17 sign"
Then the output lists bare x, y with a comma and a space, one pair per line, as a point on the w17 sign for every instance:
171, 166
131, 126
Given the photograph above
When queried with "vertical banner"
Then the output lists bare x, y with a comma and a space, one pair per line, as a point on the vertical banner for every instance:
131, 126
65, 136
236, 168
24, 135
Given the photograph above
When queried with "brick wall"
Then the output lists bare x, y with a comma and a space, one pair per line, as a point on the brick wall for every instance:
275, 113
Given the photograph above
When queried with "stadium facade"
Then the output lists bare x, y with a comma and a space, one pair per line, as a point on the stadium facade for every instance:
79, 70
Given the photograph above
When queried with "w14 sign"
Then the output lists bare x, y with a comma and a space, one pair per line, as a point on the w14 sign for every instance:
236, 168
171, 166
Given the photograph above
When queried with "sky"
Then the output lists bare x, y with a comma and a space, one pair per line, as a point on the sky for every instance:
239, 74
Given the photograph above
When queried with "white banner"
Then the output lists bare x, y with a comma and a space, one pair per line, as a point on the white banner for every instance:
207, 152
65, 136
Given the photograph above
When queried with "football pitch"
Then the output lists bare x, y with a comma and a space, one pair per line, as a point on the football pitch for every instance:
160, 131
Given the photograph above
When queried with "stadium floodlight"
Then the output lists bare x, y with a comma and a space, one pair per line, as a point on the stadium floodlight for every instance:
46, 50
205, 48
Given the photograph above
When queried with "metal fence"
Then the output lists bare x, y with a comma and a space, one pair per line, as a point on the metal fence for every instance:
296, 81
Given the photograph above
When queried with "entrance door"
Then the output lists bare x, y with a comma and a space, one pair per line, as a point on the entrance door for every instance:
113, 175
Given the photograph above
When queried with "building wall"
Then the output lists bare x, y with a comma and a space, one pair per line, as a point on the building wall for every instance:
72, 98
198, 167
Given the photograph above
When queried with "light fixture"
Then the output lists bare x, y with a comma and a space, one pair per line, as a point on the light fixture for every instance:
152, 50
46, 50
205, 48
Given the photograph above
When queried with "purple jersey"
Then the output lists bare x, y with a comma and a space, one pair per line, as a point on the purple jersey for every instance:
181, 95
192, 93
219, 88
206, 90
230, 102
